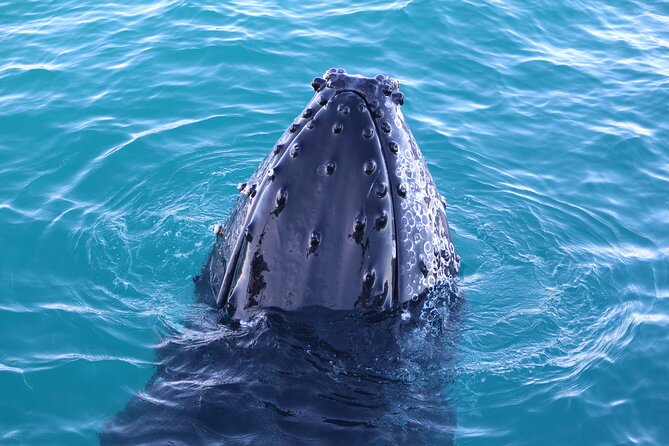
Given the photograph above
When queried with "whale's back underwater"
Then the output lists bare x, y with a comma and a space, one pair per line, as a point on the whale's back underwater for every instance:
343, 213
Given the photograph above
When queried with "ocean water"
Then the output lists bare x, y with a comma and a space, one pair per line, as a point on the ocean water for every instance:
124, 128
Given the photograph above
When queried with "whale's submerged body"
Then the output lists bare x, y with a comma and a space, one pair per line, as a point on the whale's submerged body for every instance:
340, 227
343, 213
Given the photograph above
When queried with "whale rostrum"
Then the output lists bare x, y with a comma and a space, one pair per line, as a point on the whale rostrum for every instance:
343, 213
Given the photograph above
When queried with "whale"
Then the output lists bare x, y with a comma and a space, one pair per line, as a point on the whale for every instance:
327, 309
343, 213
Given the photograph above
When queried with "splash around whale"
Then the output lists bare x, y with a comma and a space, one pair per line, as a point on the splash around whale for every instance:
343, 213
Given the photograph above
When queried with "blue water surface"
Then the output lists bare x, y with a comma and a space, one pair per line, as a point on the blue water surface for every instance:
124, 128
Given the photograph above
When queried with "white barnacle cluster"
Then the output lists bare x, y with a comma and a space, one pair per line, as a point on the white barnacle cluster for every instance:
423, 233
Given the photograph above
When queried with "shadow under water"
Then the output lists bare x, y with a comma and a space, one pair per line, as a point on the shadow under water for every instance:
313, 376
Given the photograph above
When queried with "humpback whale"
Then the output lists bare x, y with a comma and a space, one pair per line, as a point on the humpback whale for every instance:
332, 276
343, 213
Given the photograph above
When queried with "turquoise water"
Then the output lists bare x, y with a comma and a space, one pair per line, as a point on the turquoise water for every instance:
125, 128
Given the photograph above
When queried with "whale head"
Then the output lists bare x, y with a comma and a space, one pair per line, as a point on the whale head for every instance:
343, 213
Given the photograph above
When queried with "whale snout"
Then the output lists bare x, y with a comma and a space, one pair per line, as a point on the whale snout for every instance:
375, 91
343, 213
